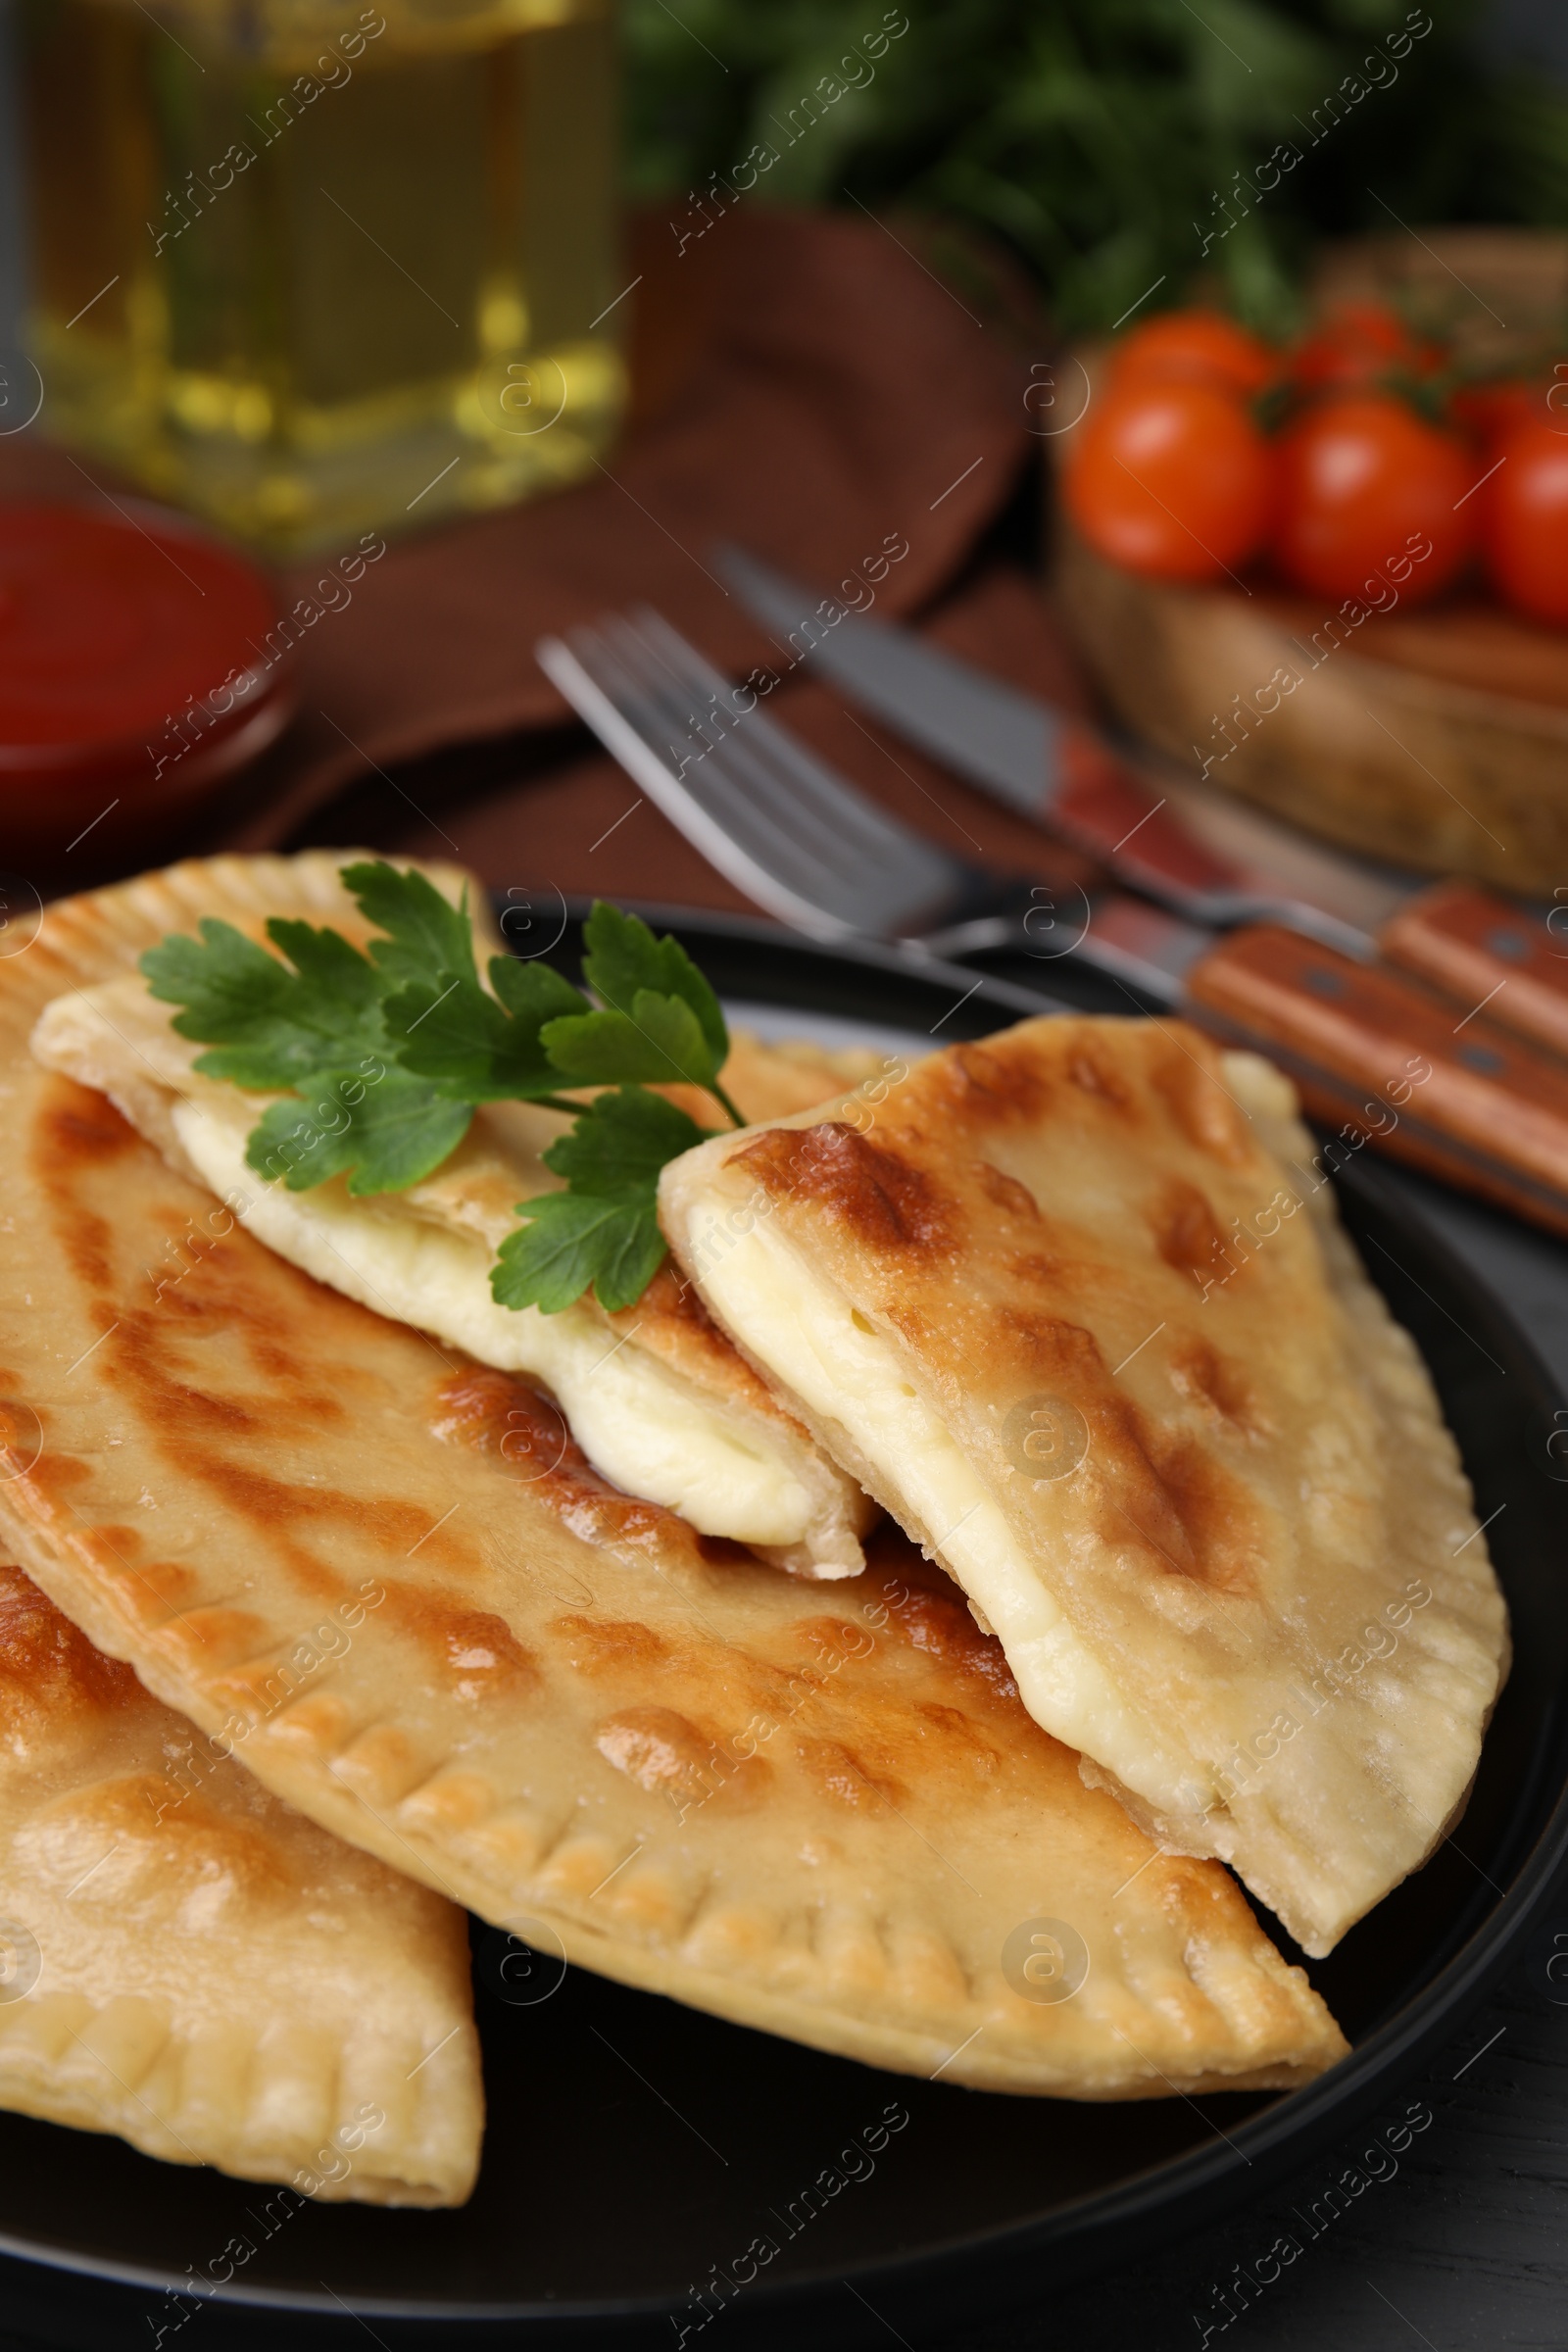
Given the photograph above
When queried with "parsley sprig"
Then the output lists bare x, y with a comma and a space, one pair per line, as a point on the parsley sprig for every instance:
381, 1058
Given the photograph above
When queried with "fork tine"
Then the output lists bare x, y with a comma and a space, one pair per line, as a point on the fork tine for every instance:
849, 809
801, 819
567, 669
669, 690
796, 836
795, 854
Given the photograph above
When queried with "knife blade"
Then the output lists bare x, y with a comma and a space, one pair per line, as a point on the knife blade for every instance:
1060, 773
1044, 763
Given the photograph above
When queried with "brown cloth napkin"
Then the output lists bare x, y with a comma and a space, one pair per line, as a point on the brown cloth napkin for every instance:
836, 399
844, 397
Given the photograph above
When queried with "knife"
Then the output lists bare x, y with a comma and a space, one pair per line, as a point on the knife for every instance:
1060, 772
1373, 1053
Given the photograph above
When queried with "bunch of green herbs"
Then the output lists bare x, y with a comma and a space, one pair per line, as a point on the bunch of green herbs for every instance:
1103, 140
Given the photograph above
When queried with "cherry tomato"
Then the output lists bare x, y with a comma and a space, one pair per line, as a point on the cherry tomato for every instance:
1358, 344
1196, 344
1172, 479
1362, 484
1524, 521
1488, 412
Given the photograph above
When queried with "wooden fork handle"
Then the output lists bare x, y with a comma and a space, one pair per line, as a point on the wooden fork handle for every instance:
1478, 948
1387, 1062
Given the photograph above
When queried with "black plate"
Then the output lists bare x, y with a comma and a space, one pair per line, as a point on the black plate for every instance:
636, 2148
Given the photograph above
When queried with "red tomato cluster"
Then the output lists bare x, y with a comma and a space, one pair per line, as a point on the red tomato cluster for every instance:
1370, 461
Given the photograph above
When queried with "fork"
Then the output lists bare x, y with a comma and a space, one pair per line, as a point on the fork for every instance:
810, 848
802, 841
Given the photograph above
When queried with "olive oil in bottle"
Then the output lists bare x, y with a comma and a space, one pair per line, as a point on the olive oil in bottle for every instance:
308, 270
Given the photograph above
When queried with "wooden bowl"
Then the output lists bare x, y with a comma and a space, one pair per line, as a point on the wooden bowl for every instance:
1436, 738
1388, 741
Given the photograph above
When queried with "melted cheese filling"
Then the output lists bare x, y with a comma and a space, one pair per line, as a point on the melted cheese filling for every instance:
638, 1424
801, 1330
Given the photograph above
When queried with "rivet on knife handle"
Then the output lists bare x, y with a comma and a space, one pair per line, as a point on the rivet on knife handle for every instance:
1479, 949
1385, 1060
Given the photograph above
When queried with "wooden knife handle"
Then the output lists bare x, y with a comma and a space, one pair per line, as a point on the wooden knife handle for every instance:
1095, 801
1388, 1063
1479, 949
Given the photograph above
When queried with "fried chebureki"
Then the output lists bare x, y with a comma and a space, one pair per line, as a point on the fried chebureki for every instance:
1065, 1309
194, 1966
831, 1821
657, 1396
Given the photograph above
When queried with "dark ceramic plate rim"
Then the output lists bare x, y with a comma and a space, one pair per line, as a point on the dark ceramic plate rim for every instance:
1181, 2190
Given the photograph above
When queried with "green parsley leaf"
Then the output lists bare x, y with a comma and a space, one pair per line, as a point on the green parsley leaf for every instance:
571, 1239
661, 1020
426, 933
657, 1042
275, 1027
383, 1134
604, 1230
314, 1021
623, 959
621, 1139
450, 1032
533, 992
223, 979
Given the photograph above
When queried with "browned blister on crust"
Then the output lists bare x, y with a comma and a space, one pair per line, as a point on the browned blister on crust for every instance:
194, 1966
825, 1814
1075, 1306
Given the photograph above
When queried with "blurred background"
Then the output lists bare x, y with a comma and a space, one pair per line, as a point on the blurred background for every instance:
452, 322
1086, 136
